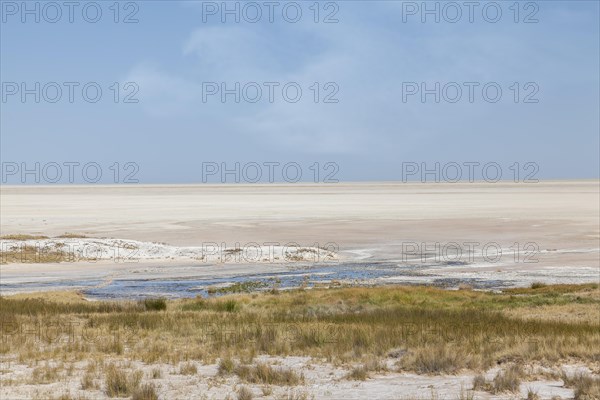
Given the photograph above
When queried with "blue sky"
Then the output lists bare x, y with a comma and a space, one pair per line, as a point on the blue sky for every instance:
369, 55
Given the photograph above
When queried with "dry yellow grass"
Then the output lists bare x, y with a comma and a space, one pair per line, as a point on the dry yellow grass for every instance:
34, 254
57, 296
430, 330
23, 237
582, 313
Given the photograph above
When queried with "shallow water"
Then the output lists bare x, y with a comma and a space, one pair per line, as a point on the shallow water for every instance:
348, 273
191, 281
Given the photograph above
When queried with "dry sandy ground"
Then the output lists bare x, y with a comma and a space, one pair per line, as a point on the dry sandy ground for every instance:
553, 224
554, 214
561, 214
322, 381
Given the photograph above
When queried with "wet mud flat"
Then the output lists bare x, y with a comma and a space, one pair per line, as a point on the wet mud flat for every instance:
193, 280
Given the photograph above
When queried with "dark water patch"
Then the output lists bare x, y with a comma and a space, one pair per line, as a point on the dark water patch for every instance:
191, 287
455, 263
475, 283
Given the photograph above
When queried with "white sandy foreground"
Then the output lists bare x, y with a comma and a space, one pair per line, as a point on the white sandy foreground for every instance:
322, 381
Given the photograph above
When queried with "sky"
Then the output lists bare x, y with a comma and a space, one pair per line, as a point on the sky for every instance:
207, 92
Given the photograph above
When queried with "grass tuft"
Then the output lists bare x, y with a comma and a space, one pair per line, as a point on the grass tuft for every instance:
226, 366
23, 237
188, 369
70, 235
145, 392
265, 374
45, 374
538, 285
479, 382
359, 373
435, 360
532, 394
120, 383
586, 387
244, 393
508, 380
159, 304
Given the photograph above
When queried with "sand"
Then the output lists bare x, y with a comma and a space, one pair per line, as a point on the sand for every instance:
555, 214
547, 231
322, 381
